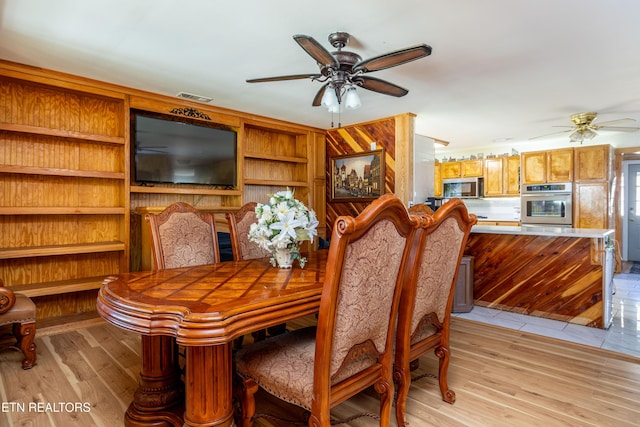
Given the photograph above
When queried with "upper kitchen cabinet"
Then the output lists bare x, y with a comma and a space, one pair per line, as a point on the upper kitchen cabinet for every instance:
464, 169
472, 168
437, 181
450, 170
502, 176
593, 163
540, 167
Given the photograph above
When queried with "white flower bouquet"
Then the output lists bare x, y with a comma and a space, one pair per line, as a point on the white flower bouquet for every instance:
283, 223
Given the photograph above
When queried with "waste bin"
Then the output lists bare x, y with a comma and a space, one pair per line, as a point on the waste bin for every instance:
463, 293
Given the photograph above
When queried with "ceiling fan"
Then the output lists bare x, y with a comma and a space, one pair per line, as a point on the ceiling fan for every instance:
343, 71
584, 127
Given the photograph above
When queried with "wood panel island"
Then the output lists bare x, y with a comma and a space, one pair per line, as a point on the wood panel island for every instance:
553, 272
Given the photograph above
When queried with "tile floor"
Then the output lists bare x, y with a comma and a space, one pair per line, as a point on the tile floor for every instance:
623, 336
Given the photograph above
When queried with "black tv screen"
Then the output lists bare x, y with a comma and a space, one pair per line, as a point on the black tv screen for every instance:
175, 150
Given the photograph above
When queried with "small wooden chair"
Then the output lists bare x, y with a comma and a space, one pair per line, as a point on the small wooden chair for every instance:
19, 311
183, 236
425, 306
352, 347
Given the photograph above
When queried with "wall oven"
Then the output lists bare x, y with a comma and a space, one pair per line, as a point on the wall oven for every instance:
546, 204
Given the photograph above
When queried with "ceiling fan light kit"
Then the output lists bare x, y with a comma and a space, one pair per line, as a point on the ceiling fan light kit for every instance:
342, 71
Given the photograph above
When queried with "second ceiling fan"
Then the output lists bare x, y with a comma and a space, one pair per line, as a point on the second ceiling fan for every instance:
342, 71
585, 128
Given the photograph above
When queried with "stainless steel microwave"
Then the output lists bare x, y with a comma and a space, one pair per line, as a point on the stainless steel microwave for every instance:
464, 188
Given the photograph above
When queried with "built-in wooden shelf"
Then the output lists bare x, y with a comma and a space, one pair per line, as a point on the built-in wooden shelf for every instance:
275, 182
165, 190
60, 287
158, 209
32, 170
61, 133
264, 156
81, 248
60, 210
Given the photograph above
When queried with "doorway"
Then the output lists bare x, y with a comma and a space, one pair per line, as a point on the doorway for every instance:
632, 213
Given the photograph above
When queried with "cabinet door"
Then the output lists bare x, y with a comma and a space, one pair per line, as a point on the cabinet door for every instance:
560, 165
591, 205
493, 177
437, 181
534, 167
472, 168
451, 170
511, 172
592, 163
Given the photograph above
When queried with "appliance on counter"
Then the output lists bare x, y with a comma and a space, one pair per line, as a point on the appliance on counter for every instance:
434, 202
546, 204
463, 188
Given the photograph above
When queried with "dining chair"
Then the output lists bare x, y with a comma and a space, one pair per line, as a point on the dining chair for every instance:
425, 306
351, 348
239, 223
19, 311
182, 236
421, 209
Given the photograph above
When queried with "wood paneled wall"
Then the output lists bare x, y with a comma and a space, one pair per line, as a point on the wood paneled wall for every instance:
358, 139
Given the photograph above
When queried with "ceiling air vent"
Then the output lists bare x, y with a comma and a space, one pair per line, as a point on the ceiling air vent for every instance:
193, 97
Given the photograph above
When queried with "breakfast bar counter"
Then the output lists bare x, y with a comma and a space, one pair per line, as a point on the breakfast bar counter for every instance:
554, 272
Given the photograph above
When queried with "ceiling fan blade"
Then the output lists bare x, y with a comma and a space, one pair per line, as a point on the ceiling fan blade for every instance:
392, 59
616, 121
381, 86
554, 133
619, 128
316, 51
317, 100
290, 77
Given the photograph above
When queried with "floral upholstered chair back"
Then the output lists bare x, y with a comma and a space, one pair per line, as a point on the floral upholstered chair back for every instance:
351, 349
239, 224
183, 236
356, 323
425, 308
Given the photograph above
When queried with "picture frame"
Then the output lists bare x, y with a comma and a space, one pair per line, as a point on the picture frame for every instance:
357, 177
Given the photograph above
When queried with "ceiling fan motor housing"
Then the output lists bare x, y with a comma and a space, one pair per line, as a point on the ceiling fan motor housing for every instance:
583, 119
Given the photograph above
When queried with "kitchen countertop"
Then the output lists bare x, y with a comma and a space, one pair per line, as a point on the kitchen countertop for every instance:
543, 231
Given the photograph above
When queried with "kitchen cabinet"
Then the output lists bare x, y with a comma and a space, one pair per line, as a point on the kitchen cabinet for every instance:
451, 170
512, 176
593, 163
494, 177
591, 205
472, 168
502, 176
540, 167
437, 181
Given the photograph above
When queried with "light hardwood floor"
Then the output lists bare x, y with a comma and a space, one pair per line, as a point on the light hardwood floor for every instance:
501, 377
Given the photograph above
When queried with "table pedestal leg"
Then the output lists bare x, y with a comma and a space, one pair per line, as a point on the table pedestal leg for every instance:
159, 399
208, 383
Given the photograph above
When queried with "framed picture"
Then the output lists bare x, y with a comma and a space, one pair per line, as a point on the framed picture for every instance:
357, 177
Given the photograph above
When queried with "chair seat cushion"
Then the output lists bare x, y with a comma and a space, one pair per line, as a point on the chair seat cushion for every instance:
282, 365
24, 310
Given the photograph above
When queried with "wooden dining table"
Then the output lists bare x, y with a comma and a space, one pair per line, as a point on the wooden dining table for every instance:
204, 309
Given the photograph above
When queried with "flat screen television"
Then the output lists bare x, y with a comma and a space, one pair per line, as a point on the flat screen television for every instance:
168, 149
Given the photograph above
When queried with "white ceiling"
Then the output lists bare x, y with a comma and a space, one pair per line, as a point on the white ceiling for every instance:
499, 68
